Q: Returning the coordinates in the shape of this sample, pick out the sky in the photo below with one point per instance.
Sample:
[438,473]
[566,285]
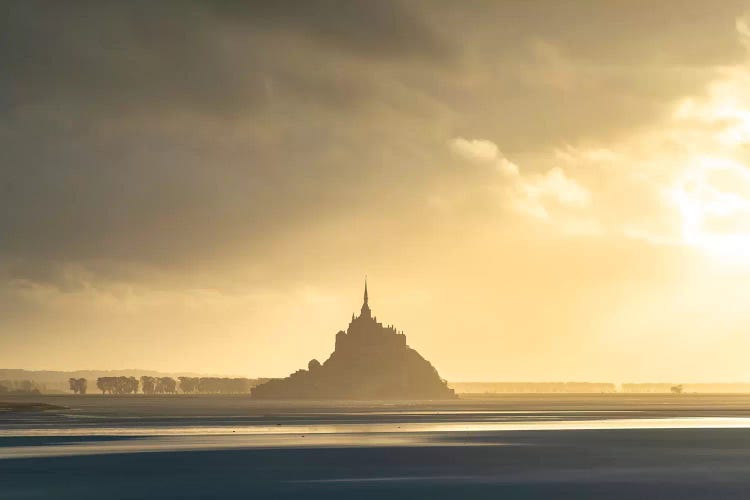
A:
[547,190]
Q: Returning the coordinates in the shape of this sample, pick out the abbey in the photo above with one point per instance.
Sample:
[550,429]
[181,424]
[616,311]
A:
[370,361]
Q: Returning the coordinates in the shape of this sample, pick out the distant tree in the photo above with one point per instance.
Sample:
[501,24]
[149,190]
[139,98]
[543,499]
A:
[206,385]
[148,384]
[117,385]
[676,389]
[216,385]
[131,385]
[104,384]
[189,385]
[78,385]
[166,385]
[20,387]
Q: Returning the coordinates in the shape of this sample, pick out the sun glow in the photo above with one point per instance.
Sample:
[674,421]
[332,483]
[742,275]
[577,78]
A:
[712,192]
[713,200]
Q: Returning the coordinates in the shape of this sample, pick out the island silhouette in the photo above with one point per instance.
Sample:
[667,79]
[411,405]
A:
[370,361]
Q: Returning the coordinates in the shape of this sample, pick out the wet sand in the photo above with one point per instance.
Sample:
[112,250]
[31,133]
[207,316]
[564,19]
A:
[511,447]
[19,406]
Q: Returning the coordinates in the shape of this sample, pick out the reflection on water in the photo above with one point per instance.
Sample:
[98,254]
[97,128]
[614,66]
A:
[403,427]
[189,438]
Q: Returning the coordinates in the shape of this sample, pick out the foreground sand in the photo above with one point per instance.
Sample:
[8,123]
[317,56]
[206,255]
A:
[514,447]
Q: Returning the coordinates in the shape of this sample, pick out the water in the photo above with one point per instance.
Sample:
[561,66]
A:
[514,446]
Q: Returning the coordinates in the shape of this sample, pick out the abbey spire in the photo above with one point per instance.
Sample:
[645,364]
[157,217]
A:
[365,307]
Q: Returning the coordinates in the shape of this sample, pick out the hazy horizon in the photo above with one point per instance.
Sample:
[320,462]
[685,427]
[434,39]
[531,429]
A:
[537,191]
[453,381]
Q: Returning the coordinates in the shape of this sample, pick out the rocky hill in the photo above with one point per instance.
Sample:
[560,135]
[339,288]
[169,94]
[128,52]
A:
[370,361]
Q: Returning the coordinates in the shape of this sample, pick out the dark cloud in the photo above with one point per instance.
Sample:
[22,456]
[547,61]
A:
[388,29]
[617,32]
[169,133]
[214,57]
[104,132]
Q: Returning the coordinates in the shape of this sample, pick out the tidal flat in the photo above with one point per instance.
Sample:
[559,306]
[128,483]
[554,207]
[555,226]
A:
[511,446]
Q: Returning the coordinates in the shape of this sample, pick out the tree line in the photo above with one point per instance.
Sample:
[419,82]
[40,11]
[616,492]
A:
[158,385]
[216,385]
[20,387]
[117,385]
[166,385]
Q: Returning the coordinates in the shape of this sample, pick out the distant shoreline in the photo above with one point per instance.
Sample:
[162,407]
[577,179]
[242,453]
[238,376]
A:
[30,402]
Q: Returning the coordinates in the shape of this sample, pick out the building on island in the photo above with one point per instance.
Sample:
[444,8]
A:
[370,361]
